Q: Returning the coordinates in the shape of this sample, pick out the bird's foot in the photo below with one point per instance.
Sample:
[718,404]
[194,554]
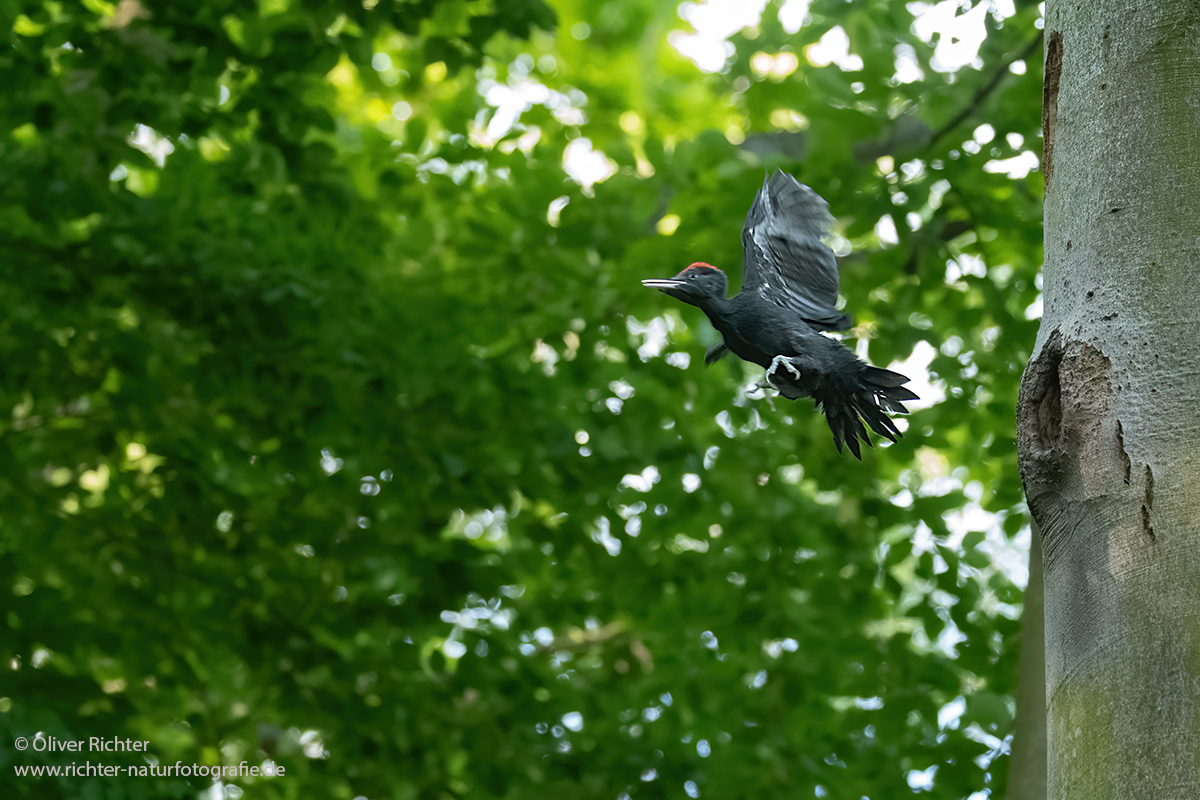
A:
[765,391]
[786,363]
[761,390]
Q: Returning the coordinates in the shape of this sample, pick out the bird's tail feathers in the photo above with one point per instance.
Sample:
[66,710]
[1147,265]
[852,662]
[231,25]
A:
[888,388]
[849,400]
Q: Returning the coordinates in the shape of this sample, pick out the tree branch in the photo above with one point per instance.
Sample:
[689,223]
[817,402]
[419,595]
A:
[984,91]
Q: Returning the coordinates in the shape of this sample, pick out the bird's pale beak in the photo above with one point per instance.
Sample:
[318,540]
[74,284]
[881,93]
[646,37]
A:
[662,283]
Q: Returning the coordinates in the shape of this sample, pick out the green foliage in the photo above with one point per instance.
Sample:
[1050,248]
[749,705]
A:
[329,444]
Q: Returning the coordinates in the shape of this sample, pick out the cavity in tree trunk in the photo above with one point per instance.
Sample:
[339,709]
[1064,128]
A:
[1109,415]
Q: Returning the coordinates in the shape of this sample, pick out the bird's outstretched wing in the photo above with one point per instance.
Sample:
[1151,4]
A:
[786,261]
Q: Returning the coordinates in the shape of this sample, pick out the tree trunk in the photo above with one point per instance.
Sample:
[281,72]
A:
[1108,425]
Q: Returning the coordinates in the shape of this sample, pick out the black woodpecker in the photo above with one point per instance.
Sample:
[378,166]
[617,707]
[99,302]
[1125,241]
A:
[788,297]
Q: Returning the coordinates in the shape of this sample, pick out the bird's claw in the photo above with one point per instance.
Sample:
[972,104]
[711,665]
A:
[766,388]
[787,363]
[761,387]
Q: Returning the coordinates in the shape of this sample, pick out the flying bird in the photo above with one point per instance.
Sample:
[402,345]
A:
[787,299]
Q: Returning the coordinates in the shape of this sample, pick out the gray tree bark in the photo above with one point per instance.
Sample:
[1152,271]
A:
[1109,414]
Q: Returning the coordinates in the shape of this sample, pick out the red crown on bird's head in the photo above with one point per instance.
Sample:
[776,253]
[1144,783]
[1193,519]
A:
[698,265]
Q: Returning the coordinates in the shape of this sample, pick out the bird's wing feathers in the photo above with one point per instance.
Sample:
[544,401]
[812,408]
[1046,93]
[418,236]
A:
[786,261]
[716,352]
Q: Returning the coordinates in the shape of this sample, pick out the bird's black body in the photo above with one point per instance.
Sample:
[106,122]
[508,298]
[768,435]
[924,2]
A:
[788,296]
